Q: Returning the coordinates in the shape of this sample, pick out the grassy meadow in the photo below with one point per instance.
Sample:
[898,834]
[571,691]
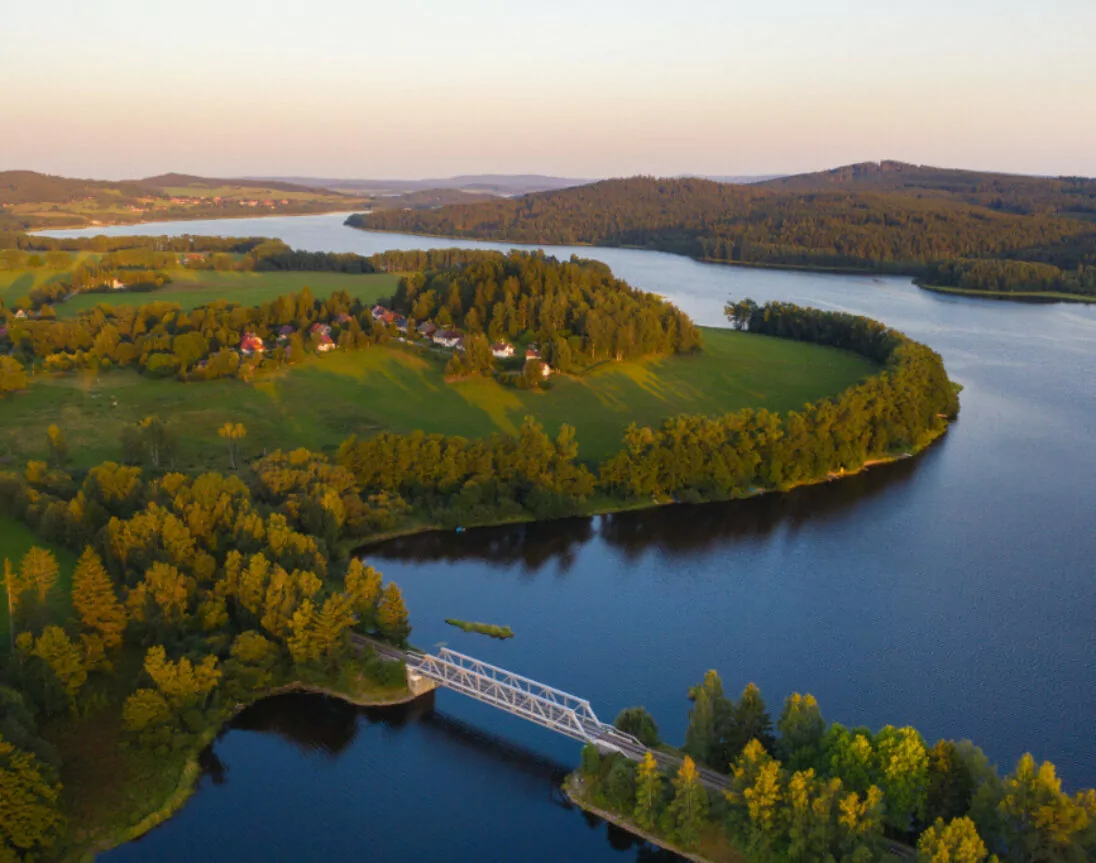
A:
[322,401]
[193,288]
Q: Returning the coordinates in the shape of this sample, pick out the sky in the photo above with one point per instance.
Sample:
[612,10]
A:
[578,88]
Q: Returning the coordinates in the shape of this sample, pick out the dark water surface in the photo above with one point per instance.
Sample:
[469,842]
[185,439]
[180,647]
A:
[954,592]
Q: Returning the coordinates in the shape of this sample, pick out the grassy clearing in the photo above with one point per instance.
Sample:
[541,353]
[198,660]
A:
[319,403]
[491,629]
[15,540]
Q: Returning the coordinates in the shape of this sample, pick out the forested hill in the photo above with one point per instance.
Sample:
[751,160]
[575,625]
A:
[27,187]
[854,223]
[1014,193]
[30,201]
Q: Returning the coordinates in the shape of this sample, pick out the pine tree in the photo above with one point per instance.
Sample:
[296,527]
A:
[94,599]
[690,804]
[38,570]
[331,624]
[301,641]
[64,658]
[14,587]
[648,792]
[363,586]
[392,617]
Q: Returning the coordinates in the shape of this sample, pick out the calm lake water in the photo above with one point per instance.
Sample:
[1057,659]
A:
[954,592]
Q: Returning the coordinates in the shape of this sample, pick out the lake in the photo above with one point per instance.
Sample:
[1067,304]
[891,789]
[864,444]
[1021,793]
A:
[954,592]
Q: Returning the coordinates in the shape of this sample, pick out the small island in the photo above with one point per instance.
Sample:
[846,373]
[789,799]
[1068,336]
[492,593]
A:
[490,629]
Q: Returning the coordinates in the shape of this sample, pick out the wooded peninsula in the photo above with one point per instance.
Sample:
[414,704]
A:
[991,234]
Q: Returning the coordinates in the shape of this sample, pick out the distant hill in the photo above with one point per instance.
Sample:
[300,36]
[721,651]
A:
[430,199]
[28,187]
[173,181]
[954,228]
[30,200]
[1011,192]
[491,184]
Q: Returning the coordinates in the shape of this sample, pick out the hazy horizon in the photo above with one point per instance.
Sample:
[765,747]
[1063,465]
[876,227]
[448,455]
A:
[121,90]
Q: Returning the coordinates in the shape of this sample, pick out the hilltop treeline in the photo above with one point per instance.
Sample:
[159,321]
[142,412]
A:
[576,310]
[828,227]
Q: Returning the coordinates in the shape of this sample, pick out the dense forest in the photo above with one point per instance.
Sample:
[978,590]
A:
[192,596]
[911,227]
[577,311]
[808,790]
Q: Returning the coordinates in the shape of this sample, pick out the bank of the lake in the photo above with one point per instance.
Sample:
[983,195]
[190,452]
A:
[714,846]
[186,764]
[877,273]
[1015,296]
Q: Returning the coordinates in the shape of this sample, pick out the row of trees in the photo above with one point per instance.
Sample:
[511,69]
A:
[884,230]
[696,457]
[810,791]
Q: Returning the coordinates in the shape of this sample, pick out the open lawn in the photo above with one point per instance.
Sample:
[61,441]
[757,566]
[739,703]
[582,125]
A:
[16,284]
[193,288]
[325,399]
[15,540]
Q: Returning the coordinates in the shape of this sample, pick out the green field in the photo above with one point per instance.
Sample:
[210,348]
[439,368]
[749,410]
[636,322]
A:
[193,288]
[15,540]
[325,399]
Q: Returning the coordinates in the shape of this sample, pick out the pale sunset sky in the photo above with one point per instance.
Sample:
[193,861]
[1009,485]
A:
[423,88]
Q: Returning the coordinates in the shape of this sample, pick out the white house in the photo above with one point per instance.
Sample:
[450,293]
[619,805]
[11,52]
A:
[502,350]
[448,338]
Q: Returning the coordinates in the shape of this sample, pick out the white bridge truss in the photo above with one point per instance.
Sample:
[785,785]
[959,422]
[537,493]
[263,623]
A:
[546,706]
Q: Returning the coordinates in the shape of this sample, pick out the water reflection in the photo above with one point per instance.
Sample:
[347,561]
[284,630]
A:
[316,725]
[681,530]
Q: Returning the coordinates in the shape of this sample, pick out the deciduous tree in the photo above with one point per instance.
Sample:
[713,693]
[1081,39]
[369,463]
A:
[690,804]
[393,621]
[648,792]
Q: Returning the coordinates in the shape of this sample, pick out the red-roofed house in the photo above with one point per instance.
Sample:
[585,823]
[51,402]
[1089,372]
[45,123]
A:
[251,344]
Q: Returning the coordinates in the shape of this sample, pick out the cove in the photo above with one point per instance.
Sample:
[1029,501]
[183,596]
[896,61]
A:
[954,592]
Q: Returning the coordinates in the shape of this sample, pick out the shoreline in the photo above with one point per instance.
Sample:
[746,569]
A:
[191,772]
[358,547]
[1030,297]
[571,792]
[86,227]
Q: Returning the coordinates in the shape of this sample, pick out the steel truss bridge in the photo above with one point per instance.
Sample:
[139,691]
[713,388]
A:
[529,699]
[544,705]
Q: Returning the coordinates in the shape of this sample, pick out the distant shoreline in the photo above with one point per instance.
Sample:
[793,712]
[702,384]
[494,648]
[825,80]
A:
[1030,297]
[86,227]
